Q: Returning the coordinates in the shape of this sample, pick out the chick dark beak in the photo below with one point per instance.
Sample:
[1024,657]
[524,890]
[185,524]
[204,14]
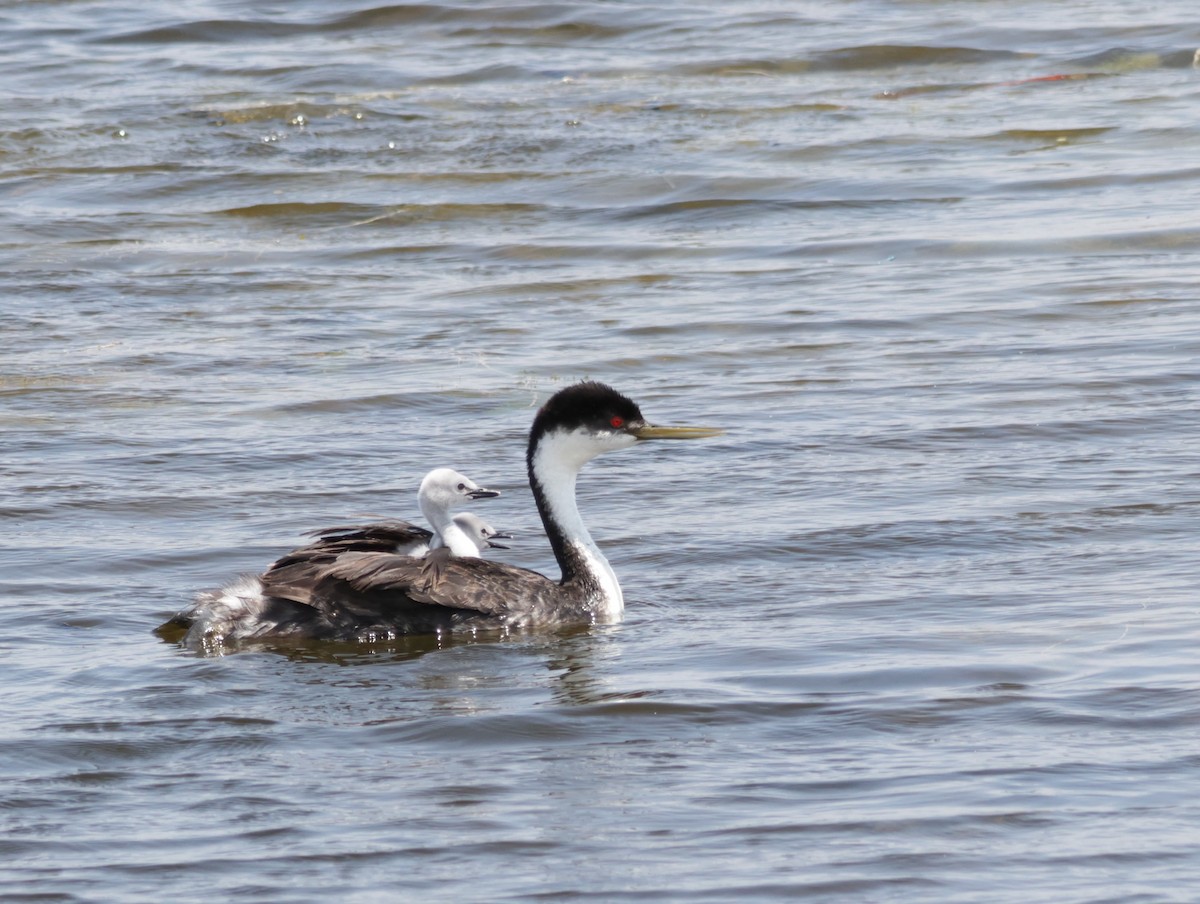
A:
[501,535]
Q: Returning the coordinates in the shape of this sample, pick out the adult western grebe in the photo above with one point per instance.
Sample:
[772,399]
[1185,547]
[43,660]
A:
[376,595]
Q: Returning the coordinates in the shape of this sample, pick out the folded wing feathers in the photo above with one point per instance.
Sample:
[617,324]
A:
[455,583]
[355,567]
[382,533]
[293,576]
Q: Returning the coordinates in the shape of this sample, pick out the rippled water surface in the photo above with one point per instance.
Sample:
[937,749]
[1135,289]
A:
[921,627]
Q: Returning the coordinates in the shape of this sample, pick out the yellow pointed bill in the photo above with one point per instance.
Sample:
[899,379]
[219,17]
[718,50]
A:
[650,432]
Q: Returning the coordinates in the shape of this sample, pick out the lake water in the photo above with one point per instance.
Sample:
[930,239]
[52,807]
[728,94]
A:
[923,626]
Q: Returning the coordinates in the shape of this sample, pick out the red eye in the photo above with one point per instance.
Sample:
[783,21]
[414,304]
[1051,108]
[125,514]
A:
[617,421]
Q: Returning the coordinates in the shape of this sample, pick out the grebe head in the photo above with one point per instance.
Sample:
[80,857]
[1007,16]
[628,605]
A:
[447,489]
[587,419]
[482,533]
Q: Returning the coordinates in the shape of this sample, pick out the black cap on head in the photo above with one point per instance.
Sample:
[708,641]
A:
[587,404]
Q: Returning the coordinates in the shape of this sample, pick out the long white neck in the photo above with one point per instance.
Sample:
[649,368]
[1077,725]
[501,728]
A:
[553,466]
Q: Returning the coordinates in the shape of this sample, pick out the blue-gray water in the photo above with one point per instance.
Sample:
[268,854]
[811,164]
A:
[923,626]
